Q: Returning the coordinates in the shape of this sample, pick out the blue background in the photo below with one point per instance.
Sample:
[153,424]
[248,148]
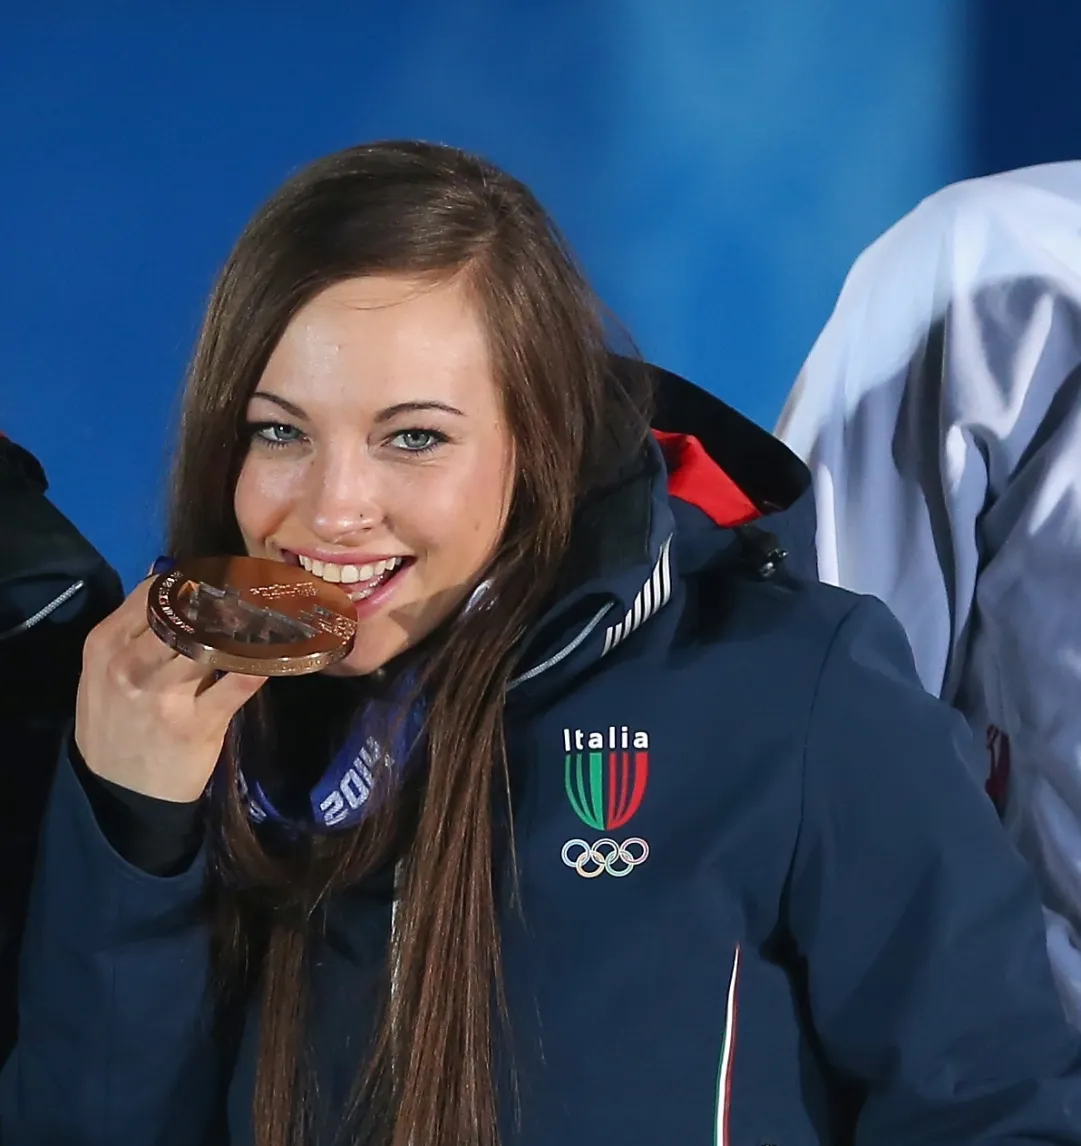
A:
[717,164]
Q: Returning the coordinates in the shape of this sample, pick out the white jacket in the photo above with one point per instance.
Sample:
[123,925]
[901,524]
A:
[940,413]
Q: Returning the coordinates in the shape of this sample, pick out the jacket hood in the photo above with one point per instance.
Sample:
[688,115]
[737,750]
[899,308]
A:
[731,469]
[711,489]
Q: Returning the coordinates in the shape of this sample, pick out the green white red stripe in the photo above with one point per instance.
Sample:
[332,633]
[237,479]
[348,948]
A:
[728,1054]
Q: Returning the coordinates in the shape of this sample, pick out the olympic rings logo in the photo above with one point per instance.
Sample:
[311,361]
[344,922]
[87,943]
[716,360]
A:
[592,860]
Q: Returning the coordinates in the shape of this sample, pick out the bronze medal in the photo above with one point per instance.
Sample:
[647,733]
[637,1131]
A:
[251,615]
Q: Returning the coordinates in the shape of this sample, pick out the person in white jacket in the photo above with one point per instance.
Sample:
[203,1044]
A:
[940,414]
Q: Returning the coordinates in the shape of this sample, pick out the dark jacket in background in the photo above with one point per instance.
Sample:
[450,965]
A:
[54,587]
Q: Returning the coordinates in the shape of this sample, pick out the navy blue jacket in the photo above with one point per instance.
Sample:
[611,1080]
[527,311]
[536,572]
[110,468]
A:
[763,900]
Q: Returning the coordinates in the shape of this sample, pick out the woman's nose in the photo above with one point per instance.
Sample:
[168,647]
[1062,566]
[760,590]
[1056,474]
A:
[344,498]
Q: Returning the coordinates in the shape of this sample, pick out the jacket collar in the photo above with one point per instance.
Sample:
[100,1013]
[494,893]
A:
[722,475]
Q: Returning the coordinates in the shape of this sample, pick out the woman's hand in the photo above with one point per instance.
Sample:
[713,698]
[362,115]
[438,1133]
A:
[146,717]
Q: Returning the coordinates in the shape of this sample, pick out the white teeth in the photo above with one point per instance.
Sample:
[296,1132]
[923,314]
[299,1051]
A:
[351,574]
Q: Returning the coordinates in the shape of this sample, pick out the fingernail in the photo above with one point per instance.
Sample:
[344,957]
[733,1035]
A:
[161,565]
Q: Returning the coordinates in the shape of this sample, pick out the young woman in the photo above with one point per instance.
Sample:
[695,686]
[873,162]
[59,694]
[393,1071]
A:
[609,830]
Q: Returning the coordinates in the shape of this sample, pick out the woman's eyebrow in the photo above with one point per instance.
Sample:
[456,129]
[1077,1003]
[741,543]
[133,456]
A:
[284,403]
[384,415]
[413,408]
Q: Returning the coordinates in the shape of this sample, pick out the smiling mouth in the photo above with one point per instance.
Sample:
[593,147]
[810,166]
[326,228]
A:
[359,581]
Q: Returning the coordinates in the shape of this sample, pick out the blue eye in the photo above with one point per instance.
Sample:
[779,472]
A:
[417,441]
[273,433]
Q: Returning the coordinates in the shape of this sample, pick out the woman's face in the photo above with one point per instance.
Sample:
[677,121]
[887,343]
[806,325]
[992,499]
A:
[380,456]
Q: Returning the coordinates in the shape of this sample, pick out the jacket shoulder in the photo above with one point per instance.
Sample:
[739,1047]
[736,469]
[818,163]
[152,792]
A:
[794,617]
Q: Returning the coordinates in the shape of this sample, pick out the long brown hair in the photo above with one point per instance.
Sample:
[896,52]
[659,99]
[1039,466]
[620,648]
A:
[405,207]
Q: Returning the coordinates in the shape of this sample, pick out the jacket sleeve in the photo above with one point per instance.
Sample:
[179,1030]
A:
[116,1037]
[1022,673]
[918,925]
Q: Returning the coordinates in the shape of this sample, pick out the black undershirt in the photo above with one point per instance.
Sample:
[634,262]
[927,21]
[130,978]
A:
[159,837]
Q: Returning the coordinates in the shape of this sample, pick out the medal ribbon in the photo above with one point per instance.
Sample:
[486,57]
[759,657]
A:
[381,742]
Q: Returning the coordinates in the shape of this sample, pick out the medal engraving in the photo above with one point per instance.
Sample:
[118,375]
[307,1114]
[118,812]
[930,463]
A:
[250,615]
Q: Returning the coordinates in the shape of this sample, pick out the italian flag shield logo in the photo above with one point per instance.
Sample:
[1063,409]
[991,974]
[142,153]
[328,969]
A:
[605,789]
